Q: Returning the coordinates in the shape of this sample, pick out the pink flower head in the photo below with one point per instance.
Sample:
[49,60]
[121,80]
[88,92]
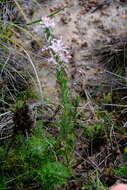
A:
[57,45]
[47,22]
[60,49]
[57,50]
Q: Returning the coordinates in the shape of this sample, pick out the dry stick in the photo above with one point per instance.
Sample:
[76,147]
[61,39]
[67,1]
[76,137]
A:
[120,178]
[36,74]
[90,103]
[116,105]
[101,5]
[115,74]
[6,62]
[5,113]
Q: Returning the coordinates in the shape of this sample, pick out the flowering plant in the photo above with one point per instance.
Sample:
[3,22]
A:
[60,55]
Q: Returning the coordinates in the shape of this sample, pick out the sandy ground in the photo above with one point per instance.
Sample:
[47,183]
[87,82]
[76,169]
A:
[83,31]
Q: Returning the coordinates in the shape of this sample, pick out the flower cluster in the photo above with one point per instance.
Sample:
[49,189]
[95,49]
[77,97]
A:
[58,51]
[47,22]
